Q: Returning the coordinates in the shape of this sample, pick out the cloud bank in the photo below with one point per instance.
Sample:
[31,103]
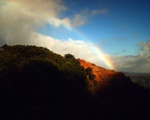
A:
[138,63]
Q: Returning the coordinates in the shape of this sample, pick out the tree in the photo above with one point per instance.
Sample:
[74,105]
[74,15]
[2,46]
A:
[69,56]
[91,76]
[88,71]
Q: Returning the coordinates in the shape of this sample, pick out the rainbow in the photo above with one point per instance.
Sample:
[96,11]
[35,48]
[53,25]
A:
[106,60]
[103,57]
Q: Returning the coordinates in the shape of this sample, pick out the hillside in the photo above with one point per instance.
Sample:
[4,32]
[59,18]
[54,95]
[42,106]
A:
[36,83]
[102,77]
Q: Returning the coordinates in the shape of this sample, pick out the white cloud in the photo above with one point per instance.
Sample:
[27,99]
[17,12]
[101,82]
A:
[82,18]
[79,20]
[19,17]
[138,63]
[144,46]
[99,11]
[46,7]
[58,22]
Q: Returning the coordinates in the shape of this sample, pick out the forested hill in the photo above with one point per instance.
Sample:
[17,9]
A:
[36,83]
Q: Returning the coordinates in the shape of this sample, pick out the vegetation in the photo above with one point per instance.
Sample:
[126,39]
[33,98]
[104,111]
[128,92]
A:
[36,83]
[89,73]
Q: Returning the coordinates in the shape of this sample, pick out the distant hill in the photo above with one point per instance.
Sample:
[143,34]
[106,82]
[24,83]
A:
[142,79]
[36,83]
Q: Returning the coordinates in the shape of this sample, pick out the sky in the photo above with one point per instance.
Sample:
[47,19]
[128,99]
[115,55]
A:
[114,34]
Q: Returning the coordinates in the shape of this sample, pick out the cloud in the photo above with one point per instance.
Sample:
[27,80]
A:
[79,20]
[99,11]
[144,46]
[36,13]
[56,22]
[82,18]
[47,7]
[138,63]
[20,18]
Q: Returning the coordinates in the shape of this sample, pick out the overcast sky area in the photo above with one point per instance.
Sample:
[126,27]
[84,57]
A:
[120,29]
